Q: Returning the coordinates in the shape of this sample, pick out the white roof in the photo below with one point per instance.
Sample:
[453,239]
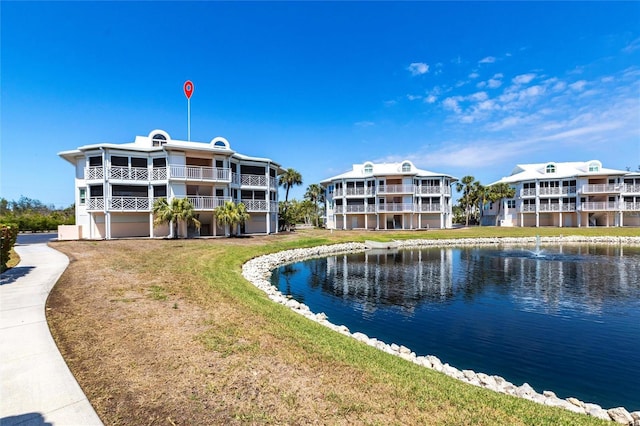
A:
[384,169]
[527,172]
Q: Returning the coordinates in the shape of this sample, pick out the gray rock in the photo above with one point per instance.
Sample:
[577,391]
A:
[620,415]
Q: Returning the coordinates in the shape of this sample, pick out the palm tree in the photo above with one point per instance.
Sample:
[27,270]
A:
[481,196]
[288,179]
[498,192]
[466,186]
[231,214]
[315,194]
[179,210]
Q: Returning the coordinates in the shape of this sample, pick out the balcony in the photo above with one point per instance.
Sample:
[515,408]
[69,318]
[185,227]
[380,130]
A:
[396,189]
[395,207]
[95,204]
[356,208]
[569,207]
[208,174]
[206,202]
[601,188]
[553,207]
[594,206]
[432,208]
[358,192]
[260,205]
[631,206]
[631,189]
[128,173]
[528,208]
[253,180]
[94,173]
[557,190]
[528,192]
[432,190]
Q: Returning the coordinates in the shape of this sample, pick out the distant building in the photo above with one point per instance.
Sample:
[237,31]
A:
[388,196]
[116,185]
[568,194]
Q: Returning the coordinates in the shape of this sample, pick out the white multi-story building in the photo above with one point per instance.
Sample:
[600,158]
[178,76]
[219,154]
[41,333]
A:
[116,185]
[388,196]
[568,194]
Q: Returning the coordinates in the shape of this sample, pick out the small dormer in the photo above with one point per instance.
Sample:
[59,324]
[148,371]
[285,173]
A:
[550,168]
[594,166]
[159,137]
[220,143]
[406,167]
[368,168]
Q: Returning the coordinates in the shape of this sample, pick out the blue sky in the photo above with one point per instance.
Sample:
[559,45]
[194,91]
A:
[464,88]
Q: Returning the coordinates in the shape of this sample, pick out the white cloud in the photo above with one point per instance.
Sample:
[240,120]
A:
[414,97]
[364,124]
[479,96]
[523,78]
[451,103]
[494,83]
[418,68]
[578,86]
[487,60]
[474,75]
[633,46]
[430,99]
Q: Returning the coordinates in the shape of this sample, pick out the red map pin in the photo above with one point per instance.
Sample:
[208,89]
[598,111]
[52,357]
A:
[188,89]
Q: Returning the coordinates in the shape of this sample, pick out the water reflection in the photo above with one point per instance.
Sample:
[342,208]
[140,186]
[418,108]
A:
[565,319]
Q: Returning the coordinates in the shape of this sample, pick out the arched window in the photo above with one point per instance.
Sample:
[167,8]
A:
[220,143]
[368,168]
[551,168]
[406,167]
[159,139]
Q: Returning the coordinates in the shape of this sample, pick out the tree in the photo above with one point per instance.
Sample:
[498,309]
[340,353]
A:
[315,194]
[466,186]
[481,196]
[179,210]
[498,192]
[288,179]
[231,214]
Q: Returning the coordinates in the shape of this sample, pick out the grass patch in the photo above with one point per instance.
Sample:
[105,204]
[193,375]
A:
[230,355]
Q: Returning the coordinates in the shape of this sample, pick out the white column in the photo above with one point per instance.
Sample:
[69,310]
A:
[150,225]
[267,217]
[107,225]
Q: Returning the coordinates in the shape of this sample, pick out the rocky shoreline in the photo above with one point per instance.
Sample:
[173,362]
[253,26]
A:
[258,272]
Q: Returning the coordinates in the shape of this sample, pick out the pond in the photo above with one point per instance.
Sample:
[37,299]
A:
[565,318]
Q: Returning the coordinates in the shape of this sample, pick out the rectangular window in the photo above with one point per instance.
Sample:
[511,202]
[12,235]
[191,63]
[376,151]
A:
[119,161]
[95,161]
[511,204]
[82,199]
[160,162]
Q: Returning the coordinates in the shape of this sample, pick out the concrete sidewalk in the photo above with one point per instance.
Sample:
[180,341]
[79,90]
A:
[36,386]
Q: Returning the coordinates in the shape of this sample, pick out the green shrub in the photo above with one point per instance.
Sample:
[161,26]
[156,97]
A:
[8,236]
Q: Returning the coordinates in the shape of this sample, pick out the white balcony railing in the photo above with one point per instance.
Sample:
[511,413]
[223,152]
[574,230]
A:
[631,206]
[432,189]
[359,191]
[553,190]
[599,206]
[356,208]
[604,188]
[128,173]
[260,205]
[206,202]
[631,189]
[159,173]
[95,203]
[253,180]
[94,173]
[553,207]
[130,203]
[396,207]
[528,192]
[396,189]
[212,174]
[568,207]
[429,208]
[528,208]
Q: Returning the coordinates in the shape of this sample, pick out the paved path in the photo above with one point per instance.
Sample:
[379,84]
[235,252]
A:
[36,386]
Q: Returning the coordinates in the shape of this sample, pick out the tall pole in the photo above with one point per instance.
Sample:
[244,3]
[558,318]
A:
[188,91]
